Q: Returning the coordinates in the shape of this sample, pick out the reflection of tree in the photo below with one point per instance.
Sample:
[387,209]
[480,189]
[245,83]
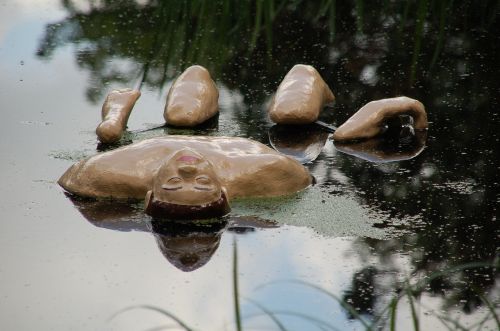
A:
[361,295]
[441,52]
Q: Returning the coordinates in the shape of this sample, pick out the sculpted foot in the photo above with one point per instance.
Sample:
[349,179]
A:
[370,120]
[192,99]
[300,97]
[115,113]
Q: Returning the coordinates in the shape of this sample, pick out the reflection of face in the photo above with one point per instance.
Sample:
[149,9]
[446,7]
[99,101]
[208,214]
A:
[189,252]
[187,178]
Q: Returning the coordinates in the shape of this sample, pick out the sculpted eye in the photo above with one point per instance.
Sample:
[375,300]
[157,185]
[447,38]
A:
[174,180]
[203,180]
[174,183]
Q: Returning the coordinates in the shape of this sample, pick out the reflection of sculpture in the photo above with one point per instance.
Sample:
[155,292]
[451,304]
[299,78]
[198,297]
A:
[385,149]
[192,99]
[304,143]
[187,249]
[300,96]
[187,246]
[182,174]
[115,113]
[369,121]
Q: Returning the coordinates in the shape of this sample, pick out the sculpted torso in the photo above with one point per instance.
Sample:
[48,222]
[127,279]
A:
[300,96]
[244,168]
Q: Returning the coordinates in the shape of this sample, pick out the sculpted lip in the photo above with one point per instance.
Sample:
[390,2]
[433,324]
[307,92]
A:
[188,159]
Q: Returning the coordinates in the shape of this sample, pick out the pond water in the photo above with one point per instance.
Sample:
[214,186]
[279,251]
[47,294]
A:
[423,227]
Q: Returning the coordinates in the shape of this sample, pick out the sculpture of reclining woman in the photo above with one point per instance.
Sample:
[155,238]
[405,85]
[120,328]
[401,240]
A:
[183,177]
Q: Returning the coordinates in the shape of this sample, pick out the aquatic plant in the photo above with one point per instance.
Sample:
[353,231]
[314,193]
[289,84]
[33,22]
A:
[247,40]
[385,318]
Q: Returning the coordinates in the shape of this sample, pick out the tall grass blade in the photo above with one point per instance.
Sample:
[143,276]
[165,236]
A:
[306,317]
[158,310]
[491,307]
[344,305]
[324,6]
[237,311]
[419,29]
[162,327]
[269,313]
[332,20]
[359,8]
[412,308]
[444,10]
[457,325]
[258,20]
[393,305]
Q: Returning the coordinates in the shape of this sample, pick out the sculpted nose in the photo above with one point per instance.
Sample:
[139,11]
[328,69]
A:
[187,170]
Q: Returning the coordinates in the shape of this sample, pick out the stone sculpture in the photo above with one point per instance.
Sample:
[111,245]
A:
[300,97]
[184,177]
[115,113]
[369,121]
[193,98]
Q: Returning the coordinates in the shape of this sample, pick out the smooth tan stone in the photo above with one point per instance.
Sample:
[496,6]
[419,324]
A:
[187,170]
[193,98]
[115,113]
[301,96]
[368,121]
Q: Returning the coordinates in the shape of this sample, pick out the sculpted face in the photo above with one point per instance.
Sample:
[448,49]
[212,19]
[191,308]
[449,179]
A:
[187,178]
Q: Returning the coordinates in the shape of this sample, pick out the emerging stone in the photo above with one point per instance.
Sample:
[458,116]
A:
[115,113]
[300,97]
[192,99]
[369,121]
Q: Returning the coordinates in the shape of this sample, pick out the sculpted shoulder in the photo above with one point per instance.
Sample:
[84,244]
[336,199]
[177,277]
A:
[246,167]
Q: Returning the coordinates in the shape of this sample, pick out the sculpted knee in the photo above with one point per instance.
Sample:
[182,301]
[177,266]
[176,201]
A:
[370,120]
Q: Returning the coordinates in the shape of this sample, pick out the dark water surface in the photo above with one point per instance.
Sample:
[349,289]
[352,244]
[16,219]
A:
[363,233]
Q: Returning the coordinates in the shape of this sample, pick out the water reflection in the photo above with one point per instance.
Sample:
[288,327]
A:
[186,245]
[443,53]
[302,142]
[386,149]
[187,248]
